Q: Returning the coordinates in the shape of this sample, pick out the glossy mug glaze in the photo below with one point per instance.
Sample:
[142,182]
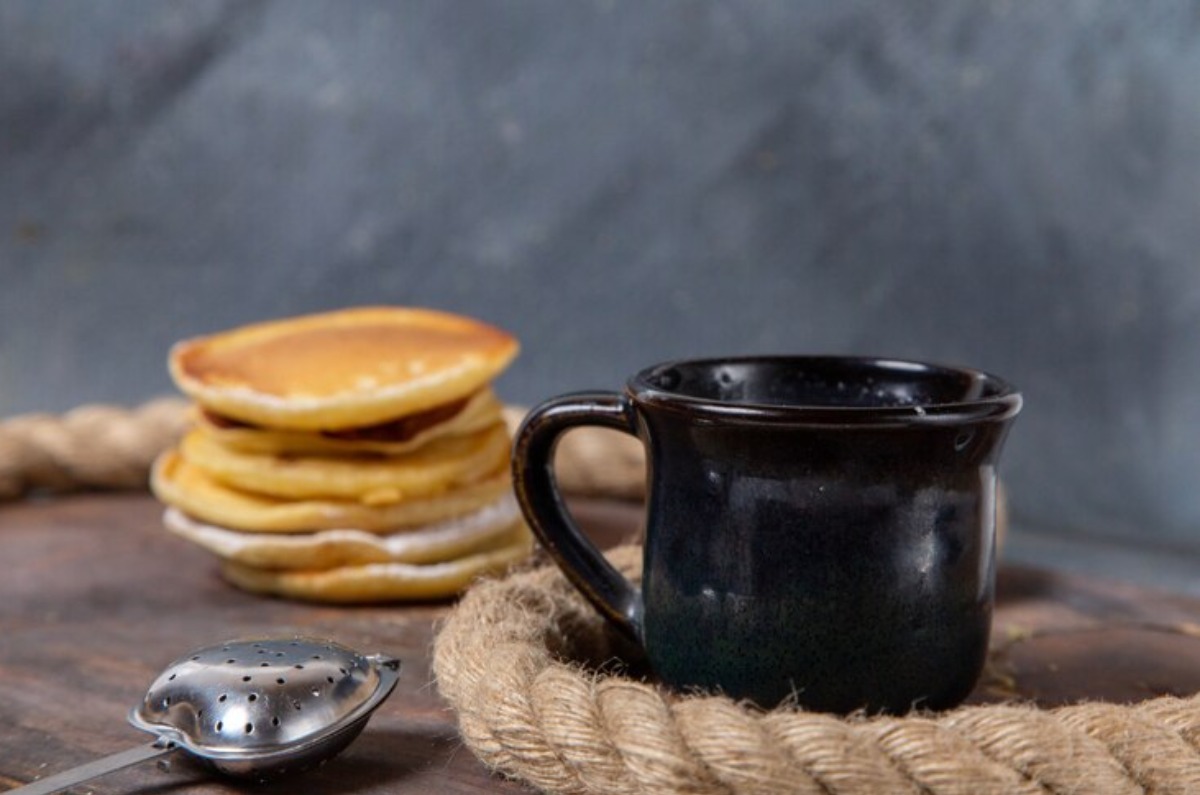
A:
[817,528]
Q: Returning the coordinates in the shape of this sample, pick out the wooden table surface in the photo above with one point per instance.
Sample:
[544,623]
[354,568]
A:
[95,599]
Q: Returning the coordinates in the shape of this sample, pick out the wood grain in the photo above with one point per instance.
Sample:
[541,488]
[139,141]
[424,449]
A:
[95,599]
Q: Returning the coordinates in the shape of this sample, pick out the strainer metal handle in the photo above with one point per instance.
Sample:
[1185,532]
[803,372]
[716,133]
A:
[97,768]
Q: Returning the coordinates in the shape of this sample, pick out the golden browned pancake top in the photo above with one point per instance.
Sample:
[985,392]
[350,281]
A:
[342,369]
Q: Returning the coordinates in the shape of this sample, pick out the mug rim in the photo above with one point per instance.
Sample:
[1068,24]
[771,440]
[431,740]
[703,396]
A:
[1004,403]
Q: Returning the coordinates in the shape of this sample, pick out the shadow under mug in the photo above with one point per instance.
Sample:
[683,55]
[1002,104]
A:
[818,528]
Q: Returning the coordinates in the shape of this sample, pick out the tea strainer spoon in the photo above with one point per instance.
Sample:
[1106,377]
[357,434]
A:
[258,708]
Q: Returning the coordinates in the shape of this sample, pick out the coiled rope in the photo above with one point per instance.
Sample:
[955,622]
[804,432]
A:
[522,662]
[527,664]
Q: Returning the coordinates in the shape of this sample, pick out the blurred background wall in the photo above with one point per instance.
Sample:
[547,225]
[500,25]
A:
[1005,184]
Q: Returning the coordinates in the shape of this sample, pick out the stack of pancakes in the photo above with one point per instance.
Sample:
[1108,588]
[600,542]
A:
[350,456]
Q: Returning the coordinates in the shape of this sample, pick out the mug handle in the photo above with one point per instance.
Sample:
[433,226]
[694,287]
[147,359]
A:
[537,492]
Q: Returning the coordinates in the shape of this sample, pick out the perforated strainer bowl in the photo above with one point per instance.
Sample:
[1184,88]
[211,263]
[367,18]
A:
[259,707]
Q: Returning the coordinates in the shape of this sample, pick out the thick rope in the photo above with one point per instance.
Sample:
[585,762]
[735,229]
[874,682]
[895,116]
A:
[106,447]
[518,660]
[91,447]
[529,667]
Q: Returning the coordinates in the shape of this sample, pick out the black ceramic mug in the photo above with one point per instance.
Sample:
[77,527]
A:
[820,528]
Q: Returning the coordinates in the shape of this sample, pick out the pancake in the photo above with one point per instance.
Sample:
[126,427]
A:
[181,485]
[381,582]
[495,525]
[474,414]
[343,369]
[434,468]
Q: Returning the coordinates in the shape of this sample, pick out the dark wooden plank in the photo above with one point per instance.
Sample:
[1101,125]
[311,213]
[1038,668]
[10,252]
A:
[95,599]
[1061,638]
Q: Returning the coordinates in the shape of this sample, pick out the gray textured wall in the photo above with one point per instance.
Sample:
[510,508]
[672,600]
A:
[1005,184]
